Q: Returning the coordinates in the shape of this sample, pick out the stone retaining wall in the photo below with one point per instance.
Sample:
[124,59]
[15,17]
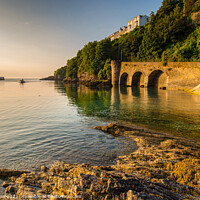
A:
[171,75]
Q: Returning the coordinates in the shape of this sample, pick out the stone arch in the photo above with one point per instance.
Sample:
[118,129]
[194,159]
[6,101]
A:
[158,79]
[138,79]
[123,79]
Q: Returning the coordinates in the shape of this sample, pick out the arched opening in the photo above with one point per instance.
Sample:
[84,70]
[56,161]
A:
[123,79]
[138,79]
[157,79]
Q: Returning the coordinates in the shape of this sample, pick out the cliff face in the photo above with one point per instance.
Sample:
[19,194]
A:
[85,76]
[195,17]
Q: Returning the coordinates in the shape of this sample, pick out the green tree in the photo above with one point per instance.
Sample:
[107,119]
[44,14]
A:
[105,73]
[87,57]
[60,73]
[167,27]
[190,6]
[103,52]
[72,68]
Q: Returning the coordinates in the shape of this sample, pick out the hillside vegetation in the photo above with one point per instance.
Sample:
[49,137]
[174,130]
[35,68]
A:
[168,36]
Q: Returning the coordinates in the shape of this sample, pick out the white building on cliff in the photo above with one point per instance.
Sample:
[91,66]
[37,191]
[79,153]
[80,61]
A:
[140,20]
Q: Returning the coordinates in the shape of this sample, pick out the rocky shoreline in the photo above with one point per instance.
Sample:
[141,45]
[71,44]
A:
[49,78]
[163,167]
[90,83]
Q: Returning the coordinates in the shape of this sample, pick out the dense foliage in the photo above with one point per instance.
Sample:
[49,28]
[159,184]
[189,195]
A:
[168,36]
[71,69]
[60,73]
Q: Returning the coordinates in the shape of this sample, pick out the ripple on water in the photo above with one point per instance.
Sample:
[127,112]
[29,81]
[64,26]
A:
[43,122]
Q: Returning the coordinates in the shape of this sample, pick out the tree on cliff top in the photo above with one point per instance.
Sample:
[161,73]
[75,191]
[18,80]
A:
[86,57]
[103,52]
[60,73]
[71,68]
[167,27]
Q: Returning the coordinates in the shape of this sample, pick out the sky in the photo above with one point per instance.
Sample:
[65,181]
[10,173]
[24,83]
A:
[39,36]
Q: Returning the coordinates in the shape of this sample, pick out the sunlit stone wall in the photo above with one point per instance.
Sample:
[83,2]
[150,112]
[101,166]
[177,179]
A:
[171,75]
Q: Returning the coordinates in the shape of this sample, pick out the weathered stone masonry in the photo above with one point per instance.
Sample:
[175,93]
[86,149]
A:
[171,75]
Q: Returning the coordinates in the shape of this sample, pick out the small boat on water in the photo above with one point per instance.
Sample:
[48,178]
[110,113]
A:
[2,78]
[22,81]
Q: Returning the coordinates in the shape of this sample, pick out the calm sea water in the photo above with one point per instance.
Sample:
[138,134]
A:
[39,125]
[42,121]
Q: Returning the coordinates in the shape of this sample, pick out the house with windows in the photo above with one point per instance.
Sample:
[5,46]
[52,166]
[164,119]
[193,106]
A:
[140,20]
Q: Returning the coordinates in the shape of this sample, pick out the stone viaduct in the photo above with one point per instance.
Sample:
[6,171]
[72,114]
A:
[171,75]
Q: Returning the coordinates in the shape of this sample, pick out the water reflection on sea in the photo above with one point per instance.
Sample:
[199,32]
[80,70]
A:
[172,111]
[39,125]
[43,121]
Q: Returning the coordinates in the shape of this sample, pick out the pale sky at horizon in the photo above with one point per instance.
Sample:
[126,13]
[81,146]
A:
[38,36]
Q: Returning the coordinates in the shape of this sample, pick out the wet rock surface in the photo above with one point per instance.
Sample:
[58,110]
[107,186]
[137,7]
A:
[96,83]
[163,167]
